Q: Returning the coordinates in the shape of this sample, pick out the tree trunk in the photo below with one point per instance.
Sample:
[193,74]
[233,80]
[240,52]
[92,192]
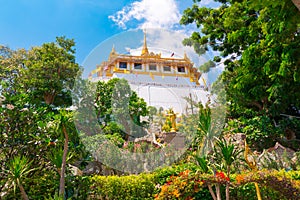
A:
[63,165]
[218,191]
[297,3]
[49,98]
[23,193]
[211,192]
[227,183]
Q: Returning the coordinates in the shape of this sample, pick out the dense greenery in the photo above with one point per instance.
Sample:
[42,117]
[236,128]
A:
[126,187]
[259,44]
[42,155]
[117,103]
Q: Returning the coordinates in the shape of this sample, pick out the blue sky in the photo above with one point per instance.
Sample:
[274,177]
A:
[27,23]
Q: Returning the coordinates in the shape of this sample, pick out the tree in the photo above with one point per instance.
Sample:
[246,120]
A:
[19,168]
[259,43]
[116,102]
[11,65]
[227,154]
[27,119]
[63,126]
[51,69]
[43,72]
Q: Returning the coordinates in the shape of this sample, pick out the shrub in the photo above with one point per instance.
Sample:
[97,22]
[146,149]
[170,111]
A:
[162,174]
[273,185]
[260,130]
[122,187]
[183,186]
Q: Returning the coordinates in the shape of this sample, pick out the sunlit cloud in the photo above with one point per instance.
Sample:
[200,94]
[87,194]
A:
[209,3]
[149,14]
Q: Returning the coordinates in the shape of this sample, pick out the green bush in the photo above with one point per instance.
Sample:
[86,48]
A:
[260,130]
[274,185]
[122,187]
[248,192]
[77,187]
[162,174]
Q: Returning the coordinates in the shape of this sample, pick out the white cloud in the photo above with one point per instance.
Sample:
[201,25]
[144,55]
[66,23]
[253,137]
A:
[205,2]
[149,13]
[209,3]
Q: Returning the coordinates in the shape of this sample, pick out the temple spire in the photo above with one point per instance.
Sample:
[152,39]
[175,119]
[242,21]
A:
[112,53]
[113,49]
[145,49]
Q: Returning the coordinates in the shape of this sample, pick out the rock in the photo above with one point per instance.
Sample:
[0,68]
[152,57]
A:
[93,167]
[276,157]
[75,170]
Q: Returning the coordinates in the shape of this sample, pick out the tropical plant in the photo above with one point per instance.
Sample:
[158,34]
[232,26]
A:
[18,169]
[228,154]
[64,125]
[204,166]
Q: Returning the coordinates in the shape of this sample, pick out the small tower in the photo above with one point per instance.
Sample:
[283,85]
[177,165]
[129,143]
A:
[145,49]
[112,54]
[113,51]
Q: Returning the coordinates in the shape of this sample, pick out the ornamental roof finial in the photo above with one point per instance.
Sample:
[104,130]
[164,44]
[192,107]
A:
[145,49]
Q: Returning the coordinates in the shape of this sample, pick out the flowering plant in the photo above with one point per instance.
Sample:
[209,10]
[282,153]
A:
[182,186]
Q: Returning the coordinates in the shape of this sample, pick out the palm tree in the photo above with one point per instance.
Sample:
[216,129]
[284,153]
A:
[64,123]
[18,169]
[203,164]
[206,131]
[228,154]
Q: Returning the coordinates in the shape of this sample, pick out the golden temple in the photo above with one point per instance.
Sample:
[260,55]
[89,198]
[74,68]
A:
[160,81]
[150,64]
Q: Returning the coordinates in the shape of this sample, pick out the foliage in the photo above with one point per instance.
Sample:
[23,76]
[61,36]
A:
[18,168]
[248,192]
[274,184]
[77,187]
[205,129]
[259,130]
[43,72]
[41,185]
[162,174]
[207,66]
[28,126]
[52,70]
[226,153]
[23,132]
[180,187]
[115,102]
[292,125]
[259,44]
[277,180]
[122,187]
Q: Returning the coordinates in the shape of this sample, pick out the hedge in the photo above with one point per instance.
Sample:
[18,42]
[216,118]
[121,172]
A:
[123,187]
